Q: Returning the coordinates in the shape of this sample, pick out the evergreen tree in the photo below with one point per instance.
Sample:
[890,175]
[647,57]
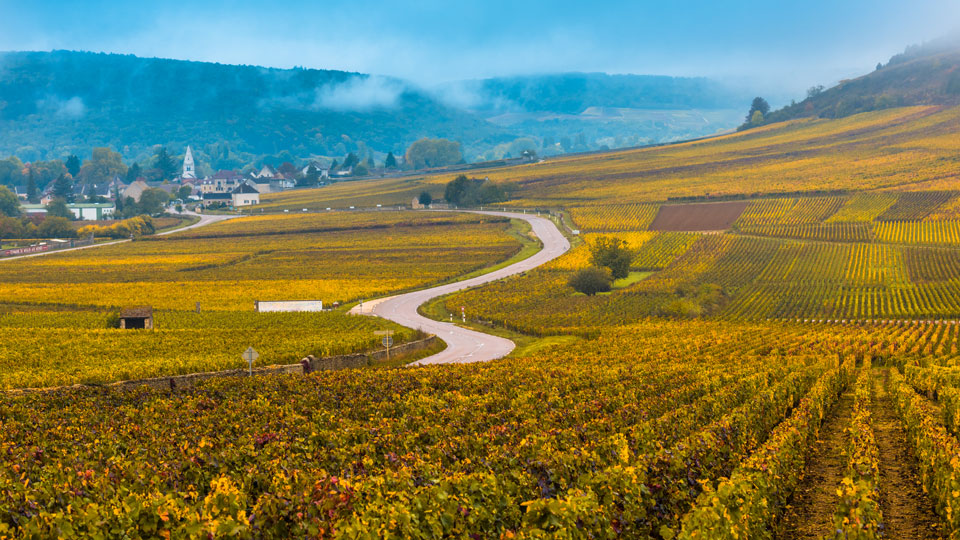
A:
[165,164]
[391,162]
[32,188]
[63,188]
[73,165]
[133,173]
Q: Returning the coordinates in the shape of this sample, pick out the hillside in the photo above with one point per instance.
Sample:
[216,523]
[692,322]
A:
[57,103]
[922,75]
[67,102]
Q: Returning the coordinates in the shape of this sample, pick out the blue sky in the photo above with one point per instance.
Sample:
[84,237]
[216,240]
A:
[782,45]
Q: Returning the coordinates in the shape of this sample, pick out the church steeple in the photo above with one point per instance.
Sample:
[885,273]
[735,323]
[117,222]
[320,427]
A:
[188,170]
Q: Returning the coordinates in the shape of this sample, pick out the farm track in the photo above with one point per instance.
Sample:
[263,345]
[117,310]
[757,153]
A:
[908,512]
[810,514]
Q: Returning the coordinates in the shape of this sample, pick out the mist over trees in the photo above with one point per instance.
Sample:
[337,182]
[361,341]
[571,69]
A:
[427,153]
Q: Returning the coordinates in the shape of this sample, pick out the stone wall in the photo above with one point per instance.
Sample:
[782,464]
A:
[307,365]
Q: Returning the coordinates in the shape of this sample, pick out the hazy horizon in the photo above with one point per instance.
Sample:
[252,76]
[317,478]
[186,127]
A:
[775,48]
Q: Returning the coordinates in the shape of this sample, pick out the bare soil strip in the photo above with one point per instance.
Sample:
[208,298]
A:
[715,216]
[810,514]
[907,511]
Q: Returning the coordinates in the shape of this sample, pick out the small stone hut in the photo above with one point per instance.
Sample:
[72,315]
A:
[137,317]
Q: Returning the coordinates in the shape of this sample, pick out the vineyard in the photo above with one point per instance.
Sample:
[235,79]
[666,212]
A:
[783,360]
[58,319]
[655,429]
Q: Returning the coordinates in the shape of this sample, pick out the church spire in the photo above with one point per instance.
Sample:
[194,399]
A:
[188,169]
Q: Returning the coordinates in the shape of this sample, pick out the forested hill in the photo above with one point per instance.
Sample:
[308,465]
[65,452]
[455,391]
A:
[53,104]
[922,75]
[66,102]
[572,93]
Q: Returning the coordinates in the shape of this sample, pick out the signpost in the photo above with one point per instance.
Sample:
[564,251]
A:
[250,355]
[387,340]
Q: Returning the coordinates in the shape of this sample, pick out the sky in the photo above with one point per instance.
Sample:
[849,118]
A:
[777,45]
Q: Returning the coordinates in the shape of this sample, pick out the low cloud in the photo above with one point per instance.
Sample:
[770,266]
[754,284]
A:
[360,94]
[65,108]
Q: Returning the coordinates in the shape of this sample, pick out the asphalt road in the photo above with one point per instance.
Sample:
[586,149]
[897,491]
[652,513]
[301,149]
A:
[464,345]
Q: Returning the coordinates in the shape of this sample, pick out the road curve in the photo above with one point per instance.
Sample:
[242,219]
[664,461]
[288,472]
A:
[464,345]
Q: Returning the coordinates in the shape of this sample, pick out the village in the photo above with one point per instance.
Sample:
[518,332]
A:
[222,190]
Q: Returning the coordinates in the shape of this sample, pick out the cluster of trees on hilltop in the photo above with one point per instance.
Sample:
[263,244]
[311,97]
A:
[921,75]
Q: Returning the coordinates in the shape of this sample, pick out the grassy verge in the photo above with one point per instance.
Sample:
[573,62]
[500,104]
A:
[404,359]
[184,222]
[526,345]
[519,230]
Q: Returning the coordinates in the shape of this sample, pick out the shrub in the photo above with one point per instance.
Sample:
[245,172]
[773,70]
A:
[591,280]
[612,253]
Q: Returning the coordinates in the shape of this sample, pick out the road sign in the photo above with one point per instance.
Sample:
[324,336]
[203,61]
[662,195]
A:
[251,355]
[387,341]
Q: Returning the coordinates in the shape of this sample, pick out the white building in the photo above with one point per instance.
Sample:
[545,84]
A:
[81,211]
[189,171]
[245,195]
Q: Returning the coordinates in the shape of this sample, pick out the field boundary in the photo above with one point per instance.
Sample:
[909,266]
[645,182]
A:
[308,364]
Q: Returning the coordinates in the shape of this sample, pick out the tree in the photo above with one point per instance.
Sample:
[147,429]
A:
[288,169]
[457,189]
[311,178]
[390,162]
[63,187]
[425,198]
[56,227]
[590,280]
[813,91]
[152,201]
[184,192]
[166,164]
[612,253]
[102,167]
[759,104]
[133,173]
[350,161]
[756,119]
[11,171]
[73,165]
[32,195]
[9,203]
[463,191]
[433,153]
[360,170]
[58,208]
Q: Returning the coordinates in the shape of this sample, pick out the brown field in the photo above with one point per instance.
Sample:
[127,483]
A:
[698,217]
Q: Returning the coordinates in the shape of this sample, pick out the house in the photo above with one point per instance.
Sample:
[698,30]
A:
[221,182]
[140,317]
[81,211]
[282,183]
[212,198]
[135,190]
[324,170]
[245,195]
[266,172]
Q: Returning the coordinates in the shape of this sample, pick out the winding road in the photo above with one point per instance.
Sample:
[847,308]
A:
[465,345]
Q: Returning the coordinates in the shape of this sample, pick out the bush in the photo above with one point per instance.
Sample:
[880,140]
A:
[136,226]
[591,280]
[614,254]
[56,227]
